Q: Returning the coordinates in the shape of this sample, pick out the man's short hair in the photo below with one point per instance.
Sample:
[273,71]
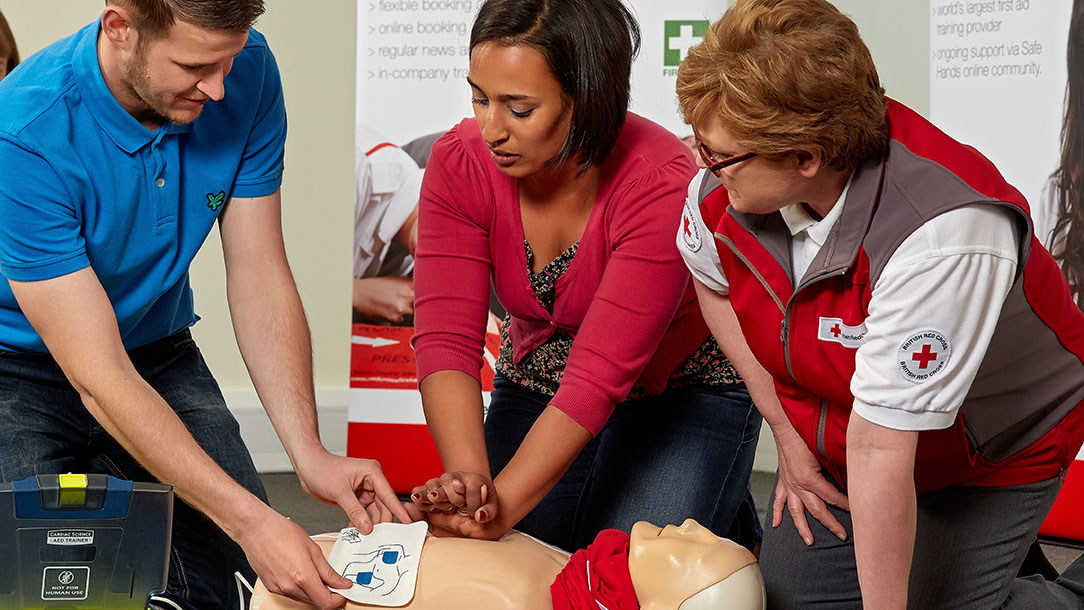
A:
[153,18]
[8,48]
[787,75]
[589,46]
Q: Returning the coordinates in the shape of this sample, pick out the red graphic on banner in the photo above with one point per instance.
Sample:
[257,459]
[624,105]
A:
[406,452]
[381,359]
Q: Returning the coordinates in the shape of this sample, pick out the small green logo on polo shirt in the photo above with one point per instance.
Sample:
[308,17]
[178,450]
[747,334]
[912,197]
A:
[678,38]
[215,201]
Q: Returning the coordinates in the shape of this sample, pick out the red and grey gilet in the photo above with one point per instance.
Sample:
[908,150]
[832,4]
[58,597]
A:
[1020,422]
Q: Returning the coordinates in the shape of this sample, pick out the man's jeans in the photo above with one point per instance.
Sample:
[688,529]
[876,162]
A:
[45,429]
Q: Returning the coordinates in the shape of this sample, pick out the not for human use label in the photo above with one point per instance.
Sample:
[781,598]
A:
[67,582]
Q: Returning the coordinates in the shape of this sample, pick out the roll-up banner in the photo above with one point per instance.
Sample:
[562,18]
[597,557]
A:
[411,86]
[997,82]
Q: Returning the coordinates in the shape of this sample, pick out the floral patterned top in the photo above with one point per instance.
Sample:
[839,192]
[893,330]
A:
[541,370]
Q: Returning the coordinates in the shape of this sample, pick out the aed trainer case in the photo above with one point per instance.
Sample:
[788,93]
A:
[87,542]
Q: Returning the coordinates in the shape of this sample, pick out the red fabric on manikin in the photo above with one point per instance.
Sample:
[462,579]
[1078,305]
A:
[597,576]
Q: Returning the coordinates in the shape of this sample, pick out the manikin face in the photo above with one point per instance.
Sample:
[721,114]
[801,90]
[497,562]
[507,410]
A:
[668,565]
[757,185]
[172,77]
[522,113]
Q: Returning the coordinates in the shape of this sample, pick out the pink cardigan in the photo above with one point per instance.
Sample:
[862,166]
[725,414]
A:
[626,298]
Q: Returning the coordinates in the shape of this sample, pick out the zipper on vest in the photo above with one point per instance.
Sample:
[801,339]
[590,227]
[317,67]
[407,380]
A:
[760,278]
[786,317]
[783,309]
[822,423]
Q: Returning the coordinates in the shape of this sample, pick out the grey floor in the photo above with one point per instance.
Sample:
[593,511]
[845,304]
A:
[288,498]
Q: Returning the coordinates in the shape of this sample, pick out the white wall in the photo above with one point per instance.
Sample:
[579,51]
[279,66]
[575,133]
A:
[314,42]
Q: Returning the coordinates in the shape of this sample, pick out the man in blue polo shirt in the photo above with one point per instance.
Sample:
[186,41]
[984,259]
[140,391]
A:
[120,147]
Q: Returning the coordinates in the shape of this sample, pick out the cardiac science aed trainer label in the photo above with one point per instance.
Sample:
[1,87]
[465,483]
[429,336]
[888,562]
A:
[70,537]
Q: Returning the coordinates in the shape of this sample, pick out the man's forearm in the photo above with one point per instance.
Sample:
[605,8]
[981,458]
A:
[145,426]
[273,336]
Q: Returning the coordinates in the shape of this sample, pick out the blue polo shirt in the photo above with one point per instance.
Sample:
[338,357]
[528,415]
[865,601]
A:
[83,183]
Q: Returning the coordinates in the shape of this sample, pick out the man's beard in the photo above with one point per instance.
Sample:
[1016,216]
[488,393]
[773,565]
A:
[137,80]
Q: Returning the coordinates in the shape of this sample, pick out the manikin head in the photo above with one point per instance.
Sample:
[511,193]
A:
[689,568]
[163,59]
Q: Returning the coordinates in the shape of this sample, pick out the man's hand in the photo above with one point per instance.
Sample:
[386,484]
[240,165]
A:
[387,298]
[468,492]
[289,563]
[801,487]
[356,485]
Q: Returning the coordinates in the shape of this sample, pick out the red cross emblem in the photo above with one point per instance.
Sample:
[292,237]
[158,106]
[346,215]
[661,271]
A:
[924,357]
[836,330]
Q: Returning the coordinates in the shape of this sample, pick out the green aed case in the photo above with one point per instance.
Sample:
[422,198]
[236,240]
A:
[86,542]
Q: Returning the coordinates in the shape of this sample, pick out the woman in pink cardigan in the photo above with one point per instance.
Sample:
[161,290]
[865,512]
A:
[612,403]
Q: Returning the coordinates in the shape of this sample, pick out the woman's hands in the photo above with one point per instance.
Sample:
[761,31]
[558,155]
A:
[469,493]
[460,504]
[801,487]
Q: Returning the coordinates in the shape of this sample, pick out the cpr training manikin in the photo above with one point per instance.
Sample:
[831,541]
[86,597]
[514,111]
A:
[682,567]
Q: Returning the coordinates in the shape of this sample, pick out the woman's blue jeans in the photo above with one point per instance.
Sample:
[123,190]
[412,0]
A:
[44,428]
[685,453]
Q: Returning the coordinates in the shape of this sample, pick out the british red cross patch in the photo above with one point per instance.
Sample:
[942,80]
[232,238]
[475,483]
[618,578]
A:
[923,355]
[833,330]
[690,229]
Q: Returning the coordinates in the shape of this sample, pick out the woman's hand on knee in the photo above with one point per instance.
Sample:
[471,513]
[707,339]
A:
[801,487]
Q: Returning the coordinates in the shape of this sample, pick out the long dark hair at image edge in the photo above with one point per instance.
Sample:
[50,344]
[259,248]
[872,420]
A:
[1068,179]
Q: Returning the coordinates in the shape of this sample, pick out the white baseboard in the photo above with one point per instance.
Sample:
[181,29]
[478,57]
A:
[259,435]
[767,460]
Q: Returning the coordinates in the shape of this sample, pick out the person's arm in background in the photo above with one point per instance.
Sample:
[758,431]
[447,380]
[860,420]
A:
[387,184]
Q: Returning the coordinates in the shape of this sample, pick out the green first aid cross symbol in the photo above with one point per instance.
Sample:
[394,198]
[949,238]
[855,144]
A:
[678,37]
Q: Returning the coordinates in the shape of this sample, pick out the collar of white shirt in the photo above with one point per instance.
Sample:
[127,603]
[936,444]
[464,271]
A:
[798,220]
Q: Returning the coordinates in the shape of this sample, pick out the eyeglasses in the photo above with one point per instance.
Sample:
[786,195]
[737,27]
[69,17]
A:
[717,166]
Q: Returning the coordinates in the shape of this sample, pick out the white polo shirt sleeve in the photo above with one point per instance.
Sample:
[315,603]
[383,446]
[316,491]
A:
[932,314]
[697,243]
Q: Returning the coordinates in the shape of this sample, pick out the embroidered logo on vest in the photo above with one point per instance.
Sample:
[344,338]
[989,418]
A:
[690,229]
[834,330]
[215,201]
[923,355]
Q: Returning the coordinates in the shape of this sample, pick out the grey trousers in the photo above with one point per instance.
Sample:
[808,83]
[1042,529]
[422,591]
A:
[969,545]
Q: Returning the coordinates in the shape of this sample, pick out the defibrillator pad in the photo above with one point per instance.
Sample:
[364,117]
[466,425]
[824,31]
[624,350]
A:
[383,565]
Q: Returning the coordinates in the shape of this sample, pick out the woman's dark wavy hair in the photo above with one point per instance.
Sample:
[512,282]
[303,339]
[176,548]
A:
[589,46]
[1069,177]
[8,48]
